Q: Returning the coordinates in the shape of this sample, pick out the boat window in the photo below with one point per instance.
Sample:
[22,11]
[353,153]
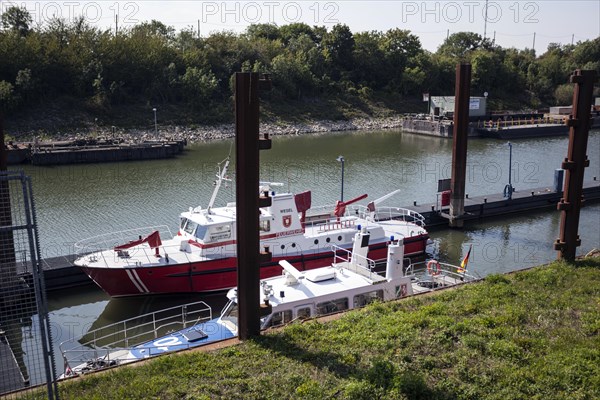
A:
[230,310]
[265,226]
[303,313]
[361,300]
[201,231]
[190,226]
[182,223]
[328,307]
[279,318]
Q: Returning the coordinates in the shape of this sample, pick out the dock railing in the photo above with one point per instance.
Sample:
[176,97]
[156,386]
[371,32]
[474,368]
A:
[100,347]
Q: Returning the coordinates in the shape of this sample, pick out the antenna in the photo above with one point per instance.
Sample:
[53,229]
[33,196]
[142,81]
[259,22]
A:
[221,176]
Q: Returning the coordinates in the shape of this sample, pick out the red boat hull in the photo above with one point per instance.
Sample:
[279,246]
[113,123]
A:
[217,274]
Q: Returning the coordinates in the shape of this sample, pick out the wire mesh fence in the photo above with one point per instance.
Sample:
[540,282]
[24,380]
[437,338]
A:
[26,357]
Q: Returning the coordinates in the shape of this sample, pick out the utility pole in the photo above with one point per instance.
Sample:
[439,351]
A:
[533,47]
[116,24]
[574,165]
[247,146]
[485,21]
[198,29]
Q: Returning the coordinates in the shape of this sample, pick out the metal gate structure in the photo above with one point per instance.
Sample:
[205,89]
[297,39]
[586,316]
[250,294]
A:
[26,355]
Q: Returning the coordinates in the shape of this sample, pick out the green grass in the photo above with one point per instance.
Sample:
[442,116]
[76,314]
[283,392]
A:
[529,335]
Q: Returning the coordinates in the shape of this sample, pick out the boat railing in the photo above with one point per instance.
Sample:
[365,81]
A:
[358,263]
[386,214]
[443,273]
[101,343]
[110,240]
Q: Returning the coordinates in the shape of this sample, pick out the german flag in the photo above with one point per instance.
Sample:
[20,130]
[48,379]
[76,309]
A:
[464,262]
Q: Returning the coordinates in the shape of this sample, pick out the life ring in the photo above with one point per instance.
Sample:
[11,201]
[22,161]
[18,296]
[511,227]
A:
[433,267]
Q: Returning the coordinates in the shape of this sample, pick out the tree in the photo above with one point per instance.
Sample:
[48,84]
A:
[400,49]
[155,28]
[586,55]
[369,69]
[7,99]
[486,70]
[295,30]
[198,86]
[17,19]
[460,45]
[265,31]
[292,75]
[563,94]
[337,49]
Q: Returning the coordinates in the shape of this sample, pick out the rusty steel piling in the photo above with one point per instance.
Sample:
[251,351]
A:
[575,164]
[459,144]
[248,144]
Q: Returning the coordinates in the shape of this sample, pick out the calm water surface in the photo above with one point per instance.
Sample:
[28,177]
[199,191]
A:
[75,202]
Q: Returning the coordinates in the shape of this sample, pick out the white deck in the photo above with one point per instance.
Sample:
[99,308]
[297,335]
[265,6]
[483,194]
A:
[178,251]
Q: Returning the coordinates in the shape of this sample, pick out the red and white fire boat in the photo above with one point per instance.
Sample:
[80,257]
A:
[202,256]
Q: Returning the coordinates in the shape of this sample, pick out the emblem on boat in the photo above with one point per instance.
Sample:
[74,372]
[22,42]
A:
[287,221]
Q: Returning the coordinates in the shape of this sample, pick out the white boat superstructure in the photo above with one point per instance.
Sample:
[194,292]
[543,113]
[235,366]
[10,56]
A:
[349,282]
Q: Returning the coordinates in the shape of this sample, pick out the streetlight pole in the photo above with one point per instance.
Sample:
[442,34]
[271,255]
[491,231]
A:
[155,124]
[341,160]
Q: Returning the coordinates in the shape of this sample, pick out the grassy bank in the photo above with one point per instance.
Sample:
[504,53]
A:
[533,334]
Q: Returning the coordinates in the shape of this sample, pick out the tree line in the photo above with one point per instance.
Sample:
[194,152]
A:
[152,63]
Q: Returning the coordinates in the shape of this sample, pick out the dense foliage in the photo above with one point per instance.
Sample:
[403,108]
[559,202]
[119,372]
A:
[530,335]
[152,64]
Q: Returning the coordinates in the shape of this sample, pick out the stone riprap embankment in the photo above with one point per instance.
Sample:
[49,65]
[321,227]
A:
[217,132]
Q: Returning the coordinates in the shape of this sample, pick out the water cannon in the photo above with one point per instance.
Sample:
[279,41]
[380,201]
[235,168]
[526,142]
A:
[340,206]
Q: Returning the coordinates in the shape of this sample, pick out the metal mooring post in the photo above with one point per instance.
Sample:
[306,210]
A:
[247,145]
[459,147]
[574,165]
